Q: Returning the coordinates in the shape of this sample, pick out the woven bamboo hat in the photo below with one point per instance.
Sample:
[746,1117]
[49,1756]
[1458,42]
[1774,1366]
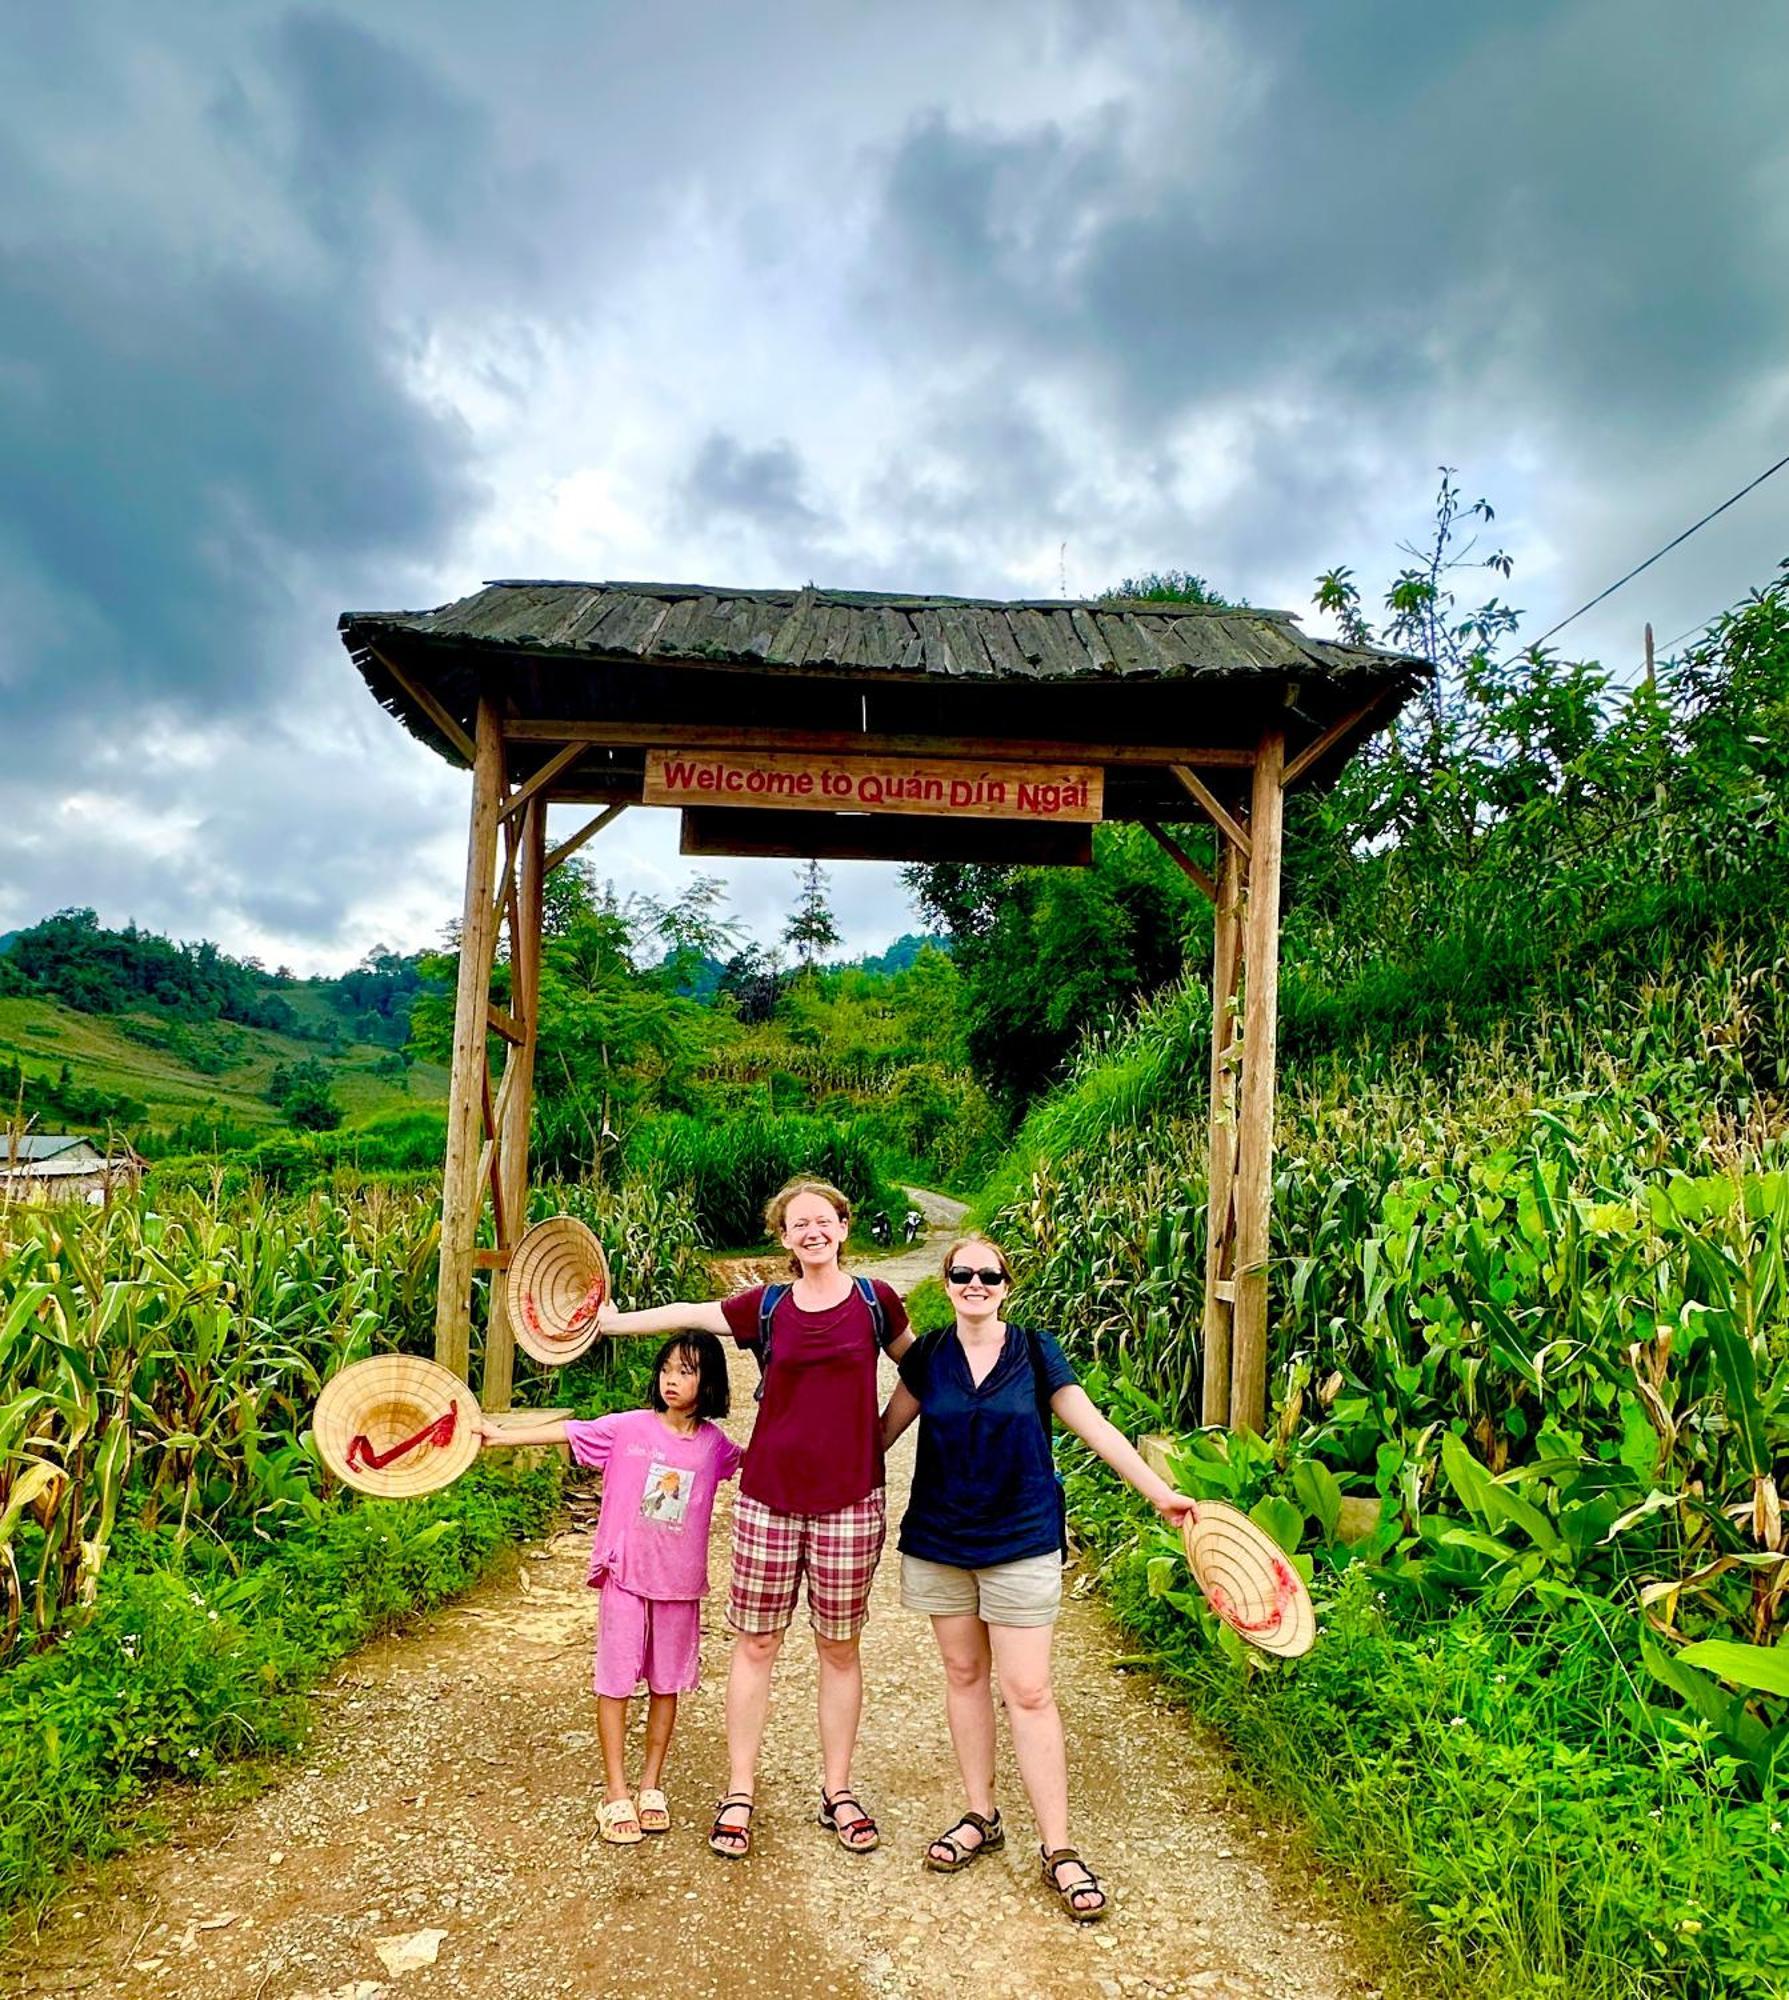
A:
[1248,1579]
[558,1280]
[396,1426]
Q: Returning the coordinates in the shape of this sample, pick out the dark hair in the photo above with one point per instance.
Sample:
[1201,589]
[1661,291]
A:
[708,1358]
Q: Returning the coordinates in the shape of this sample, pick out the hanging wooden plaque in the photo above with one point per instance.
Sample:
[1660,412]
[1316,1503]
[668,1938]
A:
[1043,794]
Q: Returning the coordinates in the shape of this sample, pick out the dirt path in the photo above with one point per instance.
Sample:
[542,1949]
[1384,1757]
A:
[448,1805]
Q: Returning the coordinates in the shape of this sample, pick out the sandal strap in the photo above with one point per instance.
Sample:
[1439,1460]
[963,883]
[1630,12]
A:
[1055,1858]
[985,1827]
[841,1824]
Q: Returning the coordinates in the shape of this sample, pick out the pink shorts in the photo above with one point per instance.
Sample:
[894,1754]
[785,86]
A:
[657,1640]
[837,1553]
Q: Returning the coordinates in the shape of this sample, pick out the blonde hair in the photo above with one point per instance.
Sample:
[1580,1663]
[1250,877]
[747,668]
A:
[776,1209]
[987,1242]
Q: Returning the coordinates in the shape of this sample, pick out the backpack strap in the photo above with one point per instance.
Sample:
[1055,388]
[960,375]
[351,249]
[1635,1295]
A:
[773,1297]
[866,1290]
[775,1294]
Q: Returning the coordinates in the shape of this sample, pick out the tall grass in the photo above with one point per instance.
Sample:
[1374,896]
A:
[159,1358]
[729,1170]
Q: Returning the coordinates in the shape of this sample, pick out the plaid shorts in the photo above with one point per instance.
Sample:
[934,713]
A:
[837,1553]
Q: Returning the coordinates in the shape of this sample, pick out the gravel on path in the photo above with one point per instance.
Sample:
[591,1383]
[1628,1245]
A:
[444,1821]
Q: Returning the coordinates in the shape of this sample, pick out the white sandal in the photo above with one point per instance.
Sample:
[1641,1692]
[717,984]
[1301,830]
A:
[616,1814]
[655,1811]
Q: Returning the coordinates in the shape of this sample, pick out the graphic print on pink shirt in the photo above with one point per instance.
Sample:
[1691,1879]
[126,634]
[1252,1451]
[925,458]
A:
[658,1499]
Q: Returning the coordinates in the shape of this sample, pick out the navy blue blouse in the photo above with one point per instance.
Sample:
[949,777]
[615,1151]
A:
[984,1483]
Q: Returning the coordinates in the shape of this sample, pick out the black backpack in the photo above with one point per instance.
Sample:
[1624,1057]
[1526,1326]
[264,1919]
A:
[775,1294]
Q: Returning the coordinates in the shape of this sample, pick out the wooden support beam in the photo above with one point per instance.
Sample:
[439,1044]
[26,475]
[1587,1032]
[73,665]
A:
[505,1024]
[1182,860]
[845,742]
[1220,1180]
[490,1160]
[461,1192]
[567,848]
[430,707]
[559,761]
[882,837]
[1219,814]
[506,880]
[515,1095]
[1333,735]
[490,1260]
[1254,1134]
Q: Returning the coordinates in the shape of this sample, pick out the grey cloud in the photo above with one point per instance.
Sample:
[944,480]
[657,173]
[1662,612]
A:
[171,440]
[1401,211]
[731,482]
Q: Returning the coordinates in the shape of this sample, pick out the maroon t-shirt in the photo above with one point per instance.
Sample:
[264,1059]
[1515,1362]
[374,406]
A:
[817,1444]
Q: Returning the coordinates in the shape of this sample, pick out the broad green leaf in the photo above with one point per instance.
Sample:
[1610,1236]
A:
[1764,1669]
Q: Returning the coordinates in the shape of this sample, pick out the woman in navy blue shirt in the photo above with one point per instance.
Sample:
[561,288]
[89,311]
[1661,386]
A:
[982,1546]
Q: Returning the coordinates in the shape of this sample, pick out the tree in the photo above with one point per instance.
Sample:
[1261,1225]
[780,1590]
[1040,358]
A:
[694,931]
[1045,954]
[752,979]
[1166,586]
[810,928]
[304,1097]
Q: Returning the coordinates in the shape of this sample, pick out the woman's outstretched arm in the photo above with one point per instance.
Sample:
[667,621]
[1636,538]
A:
[677,1318]
[1078,1413]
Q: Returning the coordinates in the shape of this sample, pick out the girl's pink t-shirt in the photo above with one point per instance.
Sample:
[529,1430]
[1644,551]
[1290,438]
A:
[658,1497]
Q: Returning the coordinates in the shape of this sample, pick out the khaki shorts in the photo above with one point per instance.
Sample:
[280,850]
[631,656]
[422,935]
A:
[1026,1592]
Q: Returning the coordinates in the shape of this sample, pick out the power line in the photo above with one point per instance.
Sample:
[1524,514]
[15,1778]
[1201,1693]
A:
[1675,542]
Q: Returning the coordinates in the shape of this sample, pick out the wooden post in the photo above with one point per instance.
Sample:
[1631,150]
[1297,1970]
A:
[1254,1135]
[1220,1210]
[515,1098]
[462,1191]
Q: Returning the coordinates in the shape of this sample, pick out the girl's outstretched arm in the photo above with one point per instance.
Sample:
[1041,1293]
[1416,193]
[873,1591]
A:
[902,1408]
[679,1318]
[550,1430]
[1078,1413]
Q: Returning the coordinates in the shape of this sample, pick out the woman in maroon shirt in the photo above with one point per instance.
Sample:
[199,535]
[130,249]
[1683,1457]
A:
[810,1493]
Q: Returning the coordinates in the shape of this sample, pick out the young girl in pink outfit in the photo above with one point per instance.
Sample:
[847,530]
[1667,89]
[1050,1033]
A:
[661,1469]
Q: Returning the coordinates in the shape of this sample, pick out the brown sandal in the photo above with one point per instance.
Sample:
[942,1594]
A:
[993,1838]
[1080,1913]
[738,1838]
[844,1827]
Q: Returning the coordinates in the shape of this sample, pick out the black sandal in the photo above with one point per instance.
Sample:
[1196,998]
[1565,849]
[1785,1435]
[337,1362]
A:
[740,1836]
[993,1838]
[1080,1913]
[845,1828]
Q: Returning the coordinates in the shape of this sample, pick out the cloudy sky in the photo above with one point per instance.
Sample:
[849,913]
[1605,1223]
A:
[314,308]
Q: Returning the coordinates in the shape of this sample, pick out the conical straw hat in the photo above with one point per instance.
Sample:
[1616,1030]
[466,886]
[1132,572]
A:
[1248,1579]
[558,1281]
[396,1426]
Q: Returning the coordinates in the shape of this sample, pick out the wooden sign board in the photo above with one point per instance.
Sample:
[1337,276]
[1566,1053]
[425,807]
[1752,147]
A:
[793,781]
[804,836]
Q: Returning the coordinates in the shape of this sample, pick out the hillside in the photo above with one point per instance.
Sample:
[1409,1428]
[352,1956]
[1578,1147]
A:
[179,1071]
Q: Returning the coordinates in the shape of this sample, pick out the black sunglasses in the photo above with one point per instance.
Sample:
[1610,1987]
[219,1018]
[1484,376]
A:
[958,1274]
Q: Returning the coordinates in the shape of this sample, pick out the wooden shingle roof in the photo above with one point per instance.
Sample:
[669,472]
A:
[832,631]
[1141,688]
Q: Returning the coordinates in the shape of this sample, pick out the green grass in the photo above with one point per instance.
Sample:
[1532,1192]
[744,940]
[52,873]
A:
[103,1055]
[1491,1783]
